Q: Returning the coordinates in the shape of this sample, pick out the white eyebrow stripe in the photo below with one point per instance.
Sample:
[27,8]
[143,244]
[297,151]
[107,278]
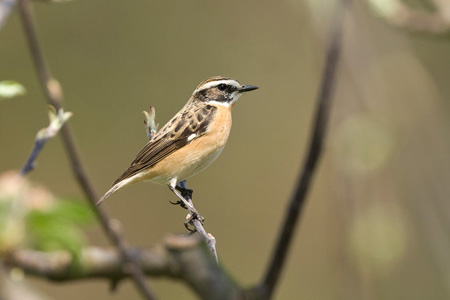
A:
[217,82]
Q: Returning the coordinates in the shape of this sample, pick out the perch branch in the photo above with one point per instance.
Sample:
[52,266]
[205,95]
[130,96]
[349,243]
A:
[179,257]
[53,92]
[206,237]
[295,208]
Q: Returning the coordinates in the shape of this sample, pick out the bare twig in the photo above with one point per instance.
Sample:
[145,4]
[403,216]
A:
[29,164]
[206,237]
[294,209]
[53,92]
[57,120]
[151,128]
[179,257]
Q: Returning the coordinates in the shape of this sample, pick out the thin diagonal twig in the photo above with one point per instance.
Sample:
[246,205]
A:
[294,209]
[206,237]
[57,119]
[53,92]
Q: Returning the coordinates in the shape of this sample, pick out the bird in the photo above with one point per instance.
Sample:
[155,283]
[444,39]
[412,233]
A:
[190,141]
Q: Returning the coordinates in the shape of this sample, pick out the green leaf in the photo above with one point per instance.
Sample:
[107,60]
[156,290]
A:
[50,232]
[59,228]
[11,88]
[77,212]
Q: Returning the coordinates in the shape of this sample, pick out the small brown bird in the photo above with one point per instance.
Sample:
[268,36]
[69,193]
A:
[190,141]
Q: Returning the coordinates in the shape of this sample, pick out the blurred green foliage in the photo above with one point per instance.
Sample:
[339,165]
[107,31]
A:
[60,227]
[30,216]
[376,222]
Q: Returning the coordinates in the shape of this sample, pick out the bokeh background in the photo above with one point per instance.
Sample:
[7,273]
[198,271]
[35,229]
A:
[376,225]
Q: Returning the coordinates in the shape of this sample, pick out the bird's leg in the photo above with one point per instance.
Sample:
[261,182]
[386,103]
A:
[185,193]
[186,202]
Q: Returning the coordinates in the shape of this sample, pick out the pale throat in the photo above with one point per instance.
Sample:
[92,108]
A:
[235,96]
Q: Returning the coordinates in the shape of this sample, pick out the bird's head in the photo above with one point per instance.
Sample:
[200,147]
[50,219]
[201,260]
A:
[221,91]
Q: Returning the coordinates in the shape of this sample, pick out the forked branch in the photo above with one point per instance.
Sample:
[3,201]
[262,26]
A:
[178,257]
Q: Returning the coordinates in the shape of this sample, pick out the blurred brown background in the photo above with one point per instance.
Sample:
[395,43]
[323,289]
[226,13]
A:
[377,223]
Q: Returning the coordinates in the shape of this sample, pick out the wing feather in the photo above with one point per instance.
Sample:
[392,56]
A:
[173,136]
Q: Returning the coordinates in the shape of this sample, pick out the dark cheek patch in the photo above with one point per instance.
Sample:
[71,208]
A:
[222,98]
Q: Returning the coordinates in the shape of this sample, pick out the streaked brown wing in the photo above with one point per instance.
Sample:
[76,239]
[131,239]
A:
[169,141]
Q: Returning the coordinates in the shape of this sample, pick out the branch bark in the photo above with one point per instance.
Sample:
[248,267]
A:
[295,207]
[53,91]
[184,262]
[208,238]
[183,258]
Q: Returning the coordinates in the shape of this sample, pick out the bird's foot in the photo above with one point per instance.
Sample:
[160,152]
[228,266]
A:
[185,192]
[185,200]
[180,203]
[189,224]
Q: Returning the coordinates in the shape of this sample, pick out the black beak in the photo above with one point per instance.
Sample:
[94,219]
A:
[247,88]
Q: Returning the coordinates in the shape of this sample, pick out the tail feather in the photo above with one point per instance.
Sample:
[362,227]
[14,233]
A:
[108,193]
[117,186]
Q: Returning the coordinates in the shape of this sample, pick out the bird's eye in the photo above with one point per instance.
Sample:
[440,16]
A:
[222,87]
